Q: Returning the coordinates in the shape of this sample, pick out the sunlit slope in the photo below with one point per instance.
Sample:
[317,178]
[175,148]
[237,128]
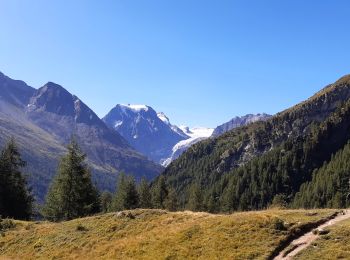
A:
[156,234]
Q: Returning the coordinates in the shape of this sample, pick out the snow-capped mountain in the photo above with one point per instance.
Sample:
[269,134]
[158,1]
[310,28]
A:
[239,121]
[153,135]
[149,132]
[196,135]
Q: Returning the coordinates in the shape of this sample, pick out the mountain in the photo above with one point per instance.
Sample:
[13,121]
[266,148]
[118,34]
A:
[152,134]
[258,161]
[42,122]
[146,130]
[195,135]
[38,147]
[283,171]
[238,122]
[15,92]
[175,128]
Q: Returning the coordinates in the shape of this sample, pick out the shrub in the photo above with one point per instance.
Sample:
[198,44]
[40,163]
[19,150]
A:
[80,227]
[6,224]
[278,224]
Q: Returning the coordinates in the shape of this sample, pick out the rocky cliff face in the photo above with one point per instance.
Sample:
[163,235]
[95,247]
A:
[238,122]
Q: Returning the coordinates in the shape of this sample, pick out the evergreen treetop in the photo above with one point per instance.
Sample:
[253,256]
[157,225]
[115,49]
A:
[72,193]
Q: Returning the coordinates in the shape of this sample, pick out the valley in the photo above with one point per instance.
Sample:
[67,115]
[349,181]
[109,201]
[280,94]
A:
[174,130]
[295,159]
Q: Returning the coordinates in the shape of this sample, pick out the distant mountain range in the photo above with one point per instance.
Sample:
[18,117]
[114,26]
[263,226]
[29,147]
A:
[153,135]
[241,165]
[42,122]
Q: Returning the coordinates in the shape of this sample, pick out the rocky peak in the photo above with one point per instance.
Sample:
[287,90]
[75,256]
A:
[144,128]
[15,92]
[53,98]
[238,122]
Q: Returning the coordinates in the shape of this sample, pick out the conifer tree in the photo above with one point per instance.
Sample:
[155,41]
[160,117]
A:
[72,193]
[159,193]
[15,199]
[171,201]
[126,196]
[212,203]
[106,201]
[145,194]
[195,202]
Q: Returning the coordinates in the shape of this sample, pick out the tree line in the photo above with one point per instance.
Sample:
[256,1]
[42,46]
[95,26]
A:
[72,194]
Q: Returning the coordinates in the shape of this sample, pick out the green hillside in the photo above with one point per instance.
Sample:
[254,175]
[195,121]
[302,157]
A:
[247,167]
[330,185]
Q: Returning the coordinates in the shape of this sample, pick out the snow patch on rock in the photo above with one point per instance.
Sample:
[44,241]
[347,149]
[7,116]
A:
[195,134]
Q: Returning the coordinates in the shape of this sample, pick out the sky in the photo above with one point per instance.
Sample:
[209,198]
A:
[200,62]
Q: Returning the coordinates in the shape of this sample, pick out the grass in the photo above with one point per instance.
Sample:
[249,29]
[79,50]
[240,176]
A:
[156,234]
[334,245]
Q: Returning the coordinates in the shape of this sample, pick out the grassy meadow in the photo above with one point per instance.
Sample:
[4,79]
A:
[157,234]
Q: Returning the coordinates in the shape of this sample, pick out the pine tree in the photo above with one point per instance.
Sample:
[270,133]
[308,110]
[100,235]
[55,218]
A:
[15,199]
[106,201]
[145,194]
[171,201]
[212,204]
[195,202]
[72,193]
[159,193]
[126,196]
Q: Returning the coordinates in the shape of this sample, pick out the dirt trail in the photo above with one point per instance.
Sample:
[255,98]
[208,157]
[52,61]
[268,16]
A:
[306,240]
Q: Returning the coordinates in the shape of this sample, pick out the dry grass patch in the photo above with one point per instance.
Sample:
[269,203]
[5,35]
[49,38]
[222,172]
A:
[156,234]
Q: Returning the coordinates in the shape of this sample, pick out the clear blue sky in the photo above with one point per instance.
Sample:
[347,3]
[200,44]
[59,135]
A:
[201,62]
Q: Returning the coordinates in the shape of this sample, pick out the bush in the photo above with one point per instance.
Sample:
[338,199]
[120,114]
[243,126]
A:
[80,227]
[279,201]
[278,224]
[6,224]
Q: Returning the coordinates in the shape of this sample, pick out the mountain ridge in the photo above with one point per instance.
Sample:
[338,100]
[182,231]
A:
[239,121]
[43,120]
